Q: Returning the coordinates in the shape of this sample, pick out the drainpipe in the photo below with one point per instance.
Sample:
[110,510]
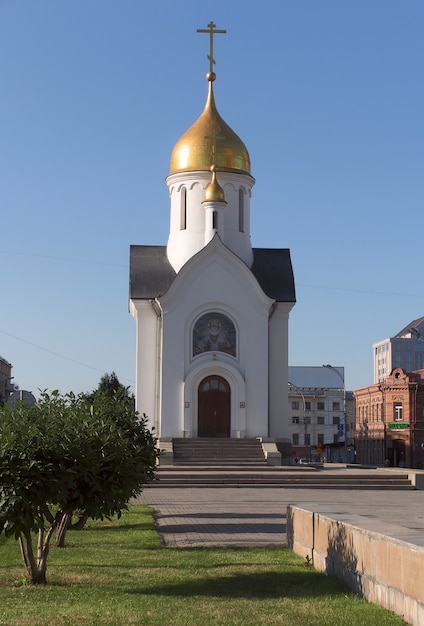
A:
[158,378]
[412,427]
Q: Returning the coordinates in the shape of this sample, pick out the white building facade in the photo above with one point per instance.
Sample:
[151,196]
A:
[321,414]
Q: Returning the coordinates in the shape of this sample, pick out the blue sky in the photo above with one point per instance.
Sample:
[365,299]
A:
[327,95]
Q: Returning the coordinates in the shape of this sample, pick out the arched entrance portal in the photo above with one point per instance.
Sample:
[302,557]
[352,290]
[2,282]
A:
[214,419]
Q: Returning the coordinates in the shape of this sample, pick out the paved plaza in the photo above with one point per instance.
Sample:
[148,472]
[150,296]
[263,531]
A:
[256,516]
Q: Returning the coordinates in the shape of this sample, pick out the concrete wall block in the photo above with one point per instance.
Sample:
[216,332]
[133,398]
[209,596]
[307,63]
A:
[302,550]
[403,605]
[412,571]
[396,565]
[369,544]
[417,479]
[319,561]
[300,521]
[321,532]
[382,557]
[380,568]
[380,594]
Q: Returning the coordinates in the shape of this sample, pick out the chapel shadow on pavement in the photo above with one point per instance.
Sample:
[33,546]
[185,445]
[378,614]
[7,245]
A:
[226,515]
[211,530]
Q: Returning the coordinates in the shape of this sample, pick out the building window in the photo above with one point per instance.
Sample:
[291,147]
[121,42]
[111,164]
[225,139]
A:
[336,406]
[335,439]
[320,406]
[307,406]
[295,405]
[183,211]
[295,439]
[320,439]
[295,420]
[335,419]
[320,419]
[398,412]
[307,439]
[241,210]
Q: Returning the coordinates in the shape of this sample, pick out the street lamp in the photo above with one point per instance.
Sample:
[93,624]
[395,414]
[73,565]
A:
[341,376]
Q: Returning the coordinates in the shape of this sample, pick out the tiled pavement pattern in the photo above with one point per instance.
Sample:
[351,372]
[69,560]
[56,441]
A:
[256,516]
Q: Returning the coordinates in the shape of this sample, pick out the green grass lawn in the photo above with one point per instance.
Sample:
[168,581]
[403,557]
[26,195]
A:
[118,573]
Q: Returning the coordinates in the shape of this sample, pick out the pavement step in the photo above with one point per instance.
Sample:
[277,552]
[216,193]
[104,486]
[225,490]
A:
[204,485]
[309,478]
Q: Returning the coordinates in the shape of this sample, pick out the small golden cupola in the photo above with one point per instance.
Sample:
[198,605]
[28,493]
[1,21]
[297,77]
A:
[214,192]
[210,141]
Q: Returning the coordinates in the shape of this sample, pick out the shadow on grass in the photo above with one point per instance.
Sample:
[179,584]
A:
[309,584]
[112,527]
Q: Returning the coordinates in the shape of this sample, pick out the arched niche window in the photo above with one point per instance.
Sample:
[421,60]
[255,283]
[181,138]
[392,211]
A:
[214,332]
[241,210]
[215,220]
[183,209]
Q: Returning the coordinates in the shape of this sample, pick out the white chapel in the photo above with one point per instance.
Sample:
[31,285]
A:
[211,312]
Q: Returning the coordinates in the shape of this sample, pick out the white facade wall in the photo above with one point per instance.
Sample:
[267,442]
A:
[278,366]
[215,280]
[148,366]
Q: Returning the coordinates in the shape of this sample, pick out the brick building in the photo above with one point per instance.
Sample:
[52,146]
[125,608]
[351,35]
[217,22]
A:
[389,421]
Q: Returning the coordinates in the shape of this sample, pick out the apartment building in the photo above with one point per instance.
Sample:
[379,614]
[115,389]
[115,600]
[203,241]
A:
[321,415]
[404,350]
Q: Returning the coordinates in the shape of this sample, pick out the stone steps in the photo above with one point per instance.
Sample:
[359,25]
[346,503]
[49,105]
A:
[223,462]
[207,451]
[277,477]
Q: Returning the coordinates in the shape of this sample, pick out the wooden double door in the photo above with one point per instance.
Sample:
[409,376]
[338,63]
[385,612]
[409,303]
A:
[214,407]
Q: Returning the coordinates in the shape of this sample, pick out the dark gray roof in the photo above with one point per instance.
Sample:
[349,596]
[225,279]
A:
[417,324]
[316,376]
[273,270]
[151,274]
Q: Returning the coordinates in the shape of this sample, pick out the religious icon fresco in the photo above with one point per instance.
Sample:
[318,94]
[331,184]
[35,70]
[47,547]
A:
[214,332]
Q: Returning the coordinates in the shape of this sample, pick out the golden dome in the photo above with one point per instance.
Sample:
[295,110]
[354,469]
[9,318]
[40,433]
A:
[210,141]
[214,192]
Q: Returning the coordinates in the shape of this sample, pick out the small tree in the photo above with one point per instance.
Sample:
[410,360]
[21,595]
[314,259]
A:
[69,453]
[110,383]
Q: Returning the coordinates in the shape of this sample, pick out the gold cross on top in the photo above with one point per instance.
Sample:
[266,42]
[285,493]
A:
[211,30]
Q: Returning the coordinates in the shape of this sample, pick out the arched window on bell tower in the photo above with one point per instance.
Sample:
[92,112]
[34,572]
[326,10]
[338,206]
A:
[183,210]
[215,220]
[241,210]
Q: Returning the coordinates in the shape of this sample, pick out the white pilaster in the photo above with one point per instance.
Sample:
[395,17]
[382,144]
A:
[148,359]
